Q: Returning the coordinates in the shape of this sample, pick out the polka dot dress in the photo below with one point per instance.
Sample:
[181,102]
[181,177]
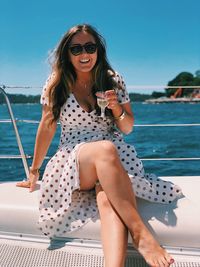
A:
[63,207]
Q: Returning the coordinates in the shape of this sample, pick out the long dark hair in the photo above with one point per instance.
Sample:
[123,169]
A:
[65,75]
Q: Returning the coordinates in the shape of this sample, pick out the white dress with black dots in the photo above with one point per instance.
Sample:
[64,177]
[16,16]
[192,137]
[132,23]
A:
[63,208]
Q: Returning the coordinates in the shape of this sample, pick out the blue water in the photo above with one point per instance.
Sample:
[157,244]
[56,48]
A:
[151,142]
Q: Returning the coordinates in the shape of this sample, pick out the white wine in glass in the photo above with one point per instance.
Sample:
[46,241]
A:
[102,102]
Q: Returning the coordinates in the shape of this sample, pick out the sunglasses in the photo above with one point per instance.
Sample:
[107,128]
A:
[76,50]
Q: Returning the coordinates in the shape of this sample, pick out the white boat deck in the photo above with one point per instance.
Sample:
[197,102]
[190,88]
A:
[176,226]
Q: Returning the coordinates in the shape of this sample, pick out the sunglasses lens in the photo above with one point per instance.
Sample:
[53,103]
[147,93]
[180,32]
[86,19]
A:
[76,50]
[90,48]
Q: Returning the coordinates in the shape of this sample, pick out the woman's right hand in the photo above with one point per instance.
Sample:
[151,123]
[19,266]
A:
[45,134]
[32,180]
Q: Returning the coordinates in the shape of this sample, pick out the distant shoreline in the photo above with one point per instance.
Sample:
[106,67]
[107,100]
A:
[21,99]
[35,99]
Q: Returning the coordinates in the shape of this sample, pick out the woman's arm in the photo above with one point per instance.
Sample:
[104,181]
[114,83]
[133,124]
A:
[124,117]
[45,134]
[122,112]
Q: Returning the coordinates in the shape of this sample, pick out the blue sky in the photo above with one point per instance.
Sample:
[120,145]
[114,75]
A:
[148,41]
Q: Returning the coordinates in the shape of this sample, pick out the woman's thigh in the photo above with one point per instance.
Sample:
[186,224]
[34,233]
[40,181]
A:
[88,155]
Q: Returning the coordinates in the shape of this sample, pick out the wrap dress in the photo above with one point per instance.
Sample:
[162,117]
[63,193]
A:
[63,207]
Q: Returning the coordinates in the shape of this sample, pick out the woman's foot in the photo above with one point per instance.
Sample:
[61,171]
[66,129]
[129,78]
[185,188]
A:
[30,183]
[152,252]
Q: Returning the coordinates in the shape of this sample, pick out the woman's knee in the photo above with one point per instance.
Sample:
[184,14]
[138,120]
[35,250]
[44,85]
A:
[107,150]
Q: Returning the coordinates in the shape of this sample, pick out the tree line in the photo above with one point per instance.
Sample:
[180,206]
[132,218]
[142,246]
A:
[20,98]
[35,99]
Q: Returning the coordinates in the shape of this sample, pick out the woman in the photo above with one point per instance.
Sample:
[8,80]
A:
[93,166]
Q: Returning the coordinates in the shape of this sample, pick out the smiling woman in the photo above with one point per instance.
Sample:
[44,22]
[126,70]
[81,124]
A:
[94,170]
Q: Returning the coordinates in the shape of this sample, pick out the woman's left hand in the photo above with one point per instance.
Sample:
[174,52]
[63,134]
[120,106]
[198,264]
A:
[31,182]
[112,99]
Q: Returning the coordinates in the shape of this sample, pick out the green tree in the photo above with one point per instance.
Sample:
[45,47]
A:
[196,80]
[182,79]
[19,98]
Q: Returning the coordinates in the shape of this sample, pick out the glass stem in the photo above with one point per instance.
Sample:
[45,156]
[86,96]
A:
[102,112]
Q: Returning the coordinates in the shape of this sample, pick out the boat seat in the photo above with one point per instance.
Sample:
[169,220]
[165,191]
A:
[176,224]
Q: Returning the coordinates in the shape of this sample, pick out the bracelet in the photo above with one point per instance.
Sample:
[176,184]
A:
[34,170]
[121,117]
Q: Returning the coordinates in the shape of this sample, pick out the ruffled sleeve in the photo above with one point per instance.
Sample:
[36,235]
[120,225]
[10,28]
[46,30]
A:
[44,99]
[121,91]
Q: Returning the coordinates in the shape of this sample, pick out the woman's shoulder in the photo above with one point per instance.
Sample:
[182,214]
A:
[46,89]
[50,80]
[114,73]
[118,78]
[120,87]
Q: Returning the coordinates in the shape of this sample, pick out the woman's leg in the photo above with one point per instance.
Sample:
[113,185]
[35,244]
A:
[114,233]
[100,160]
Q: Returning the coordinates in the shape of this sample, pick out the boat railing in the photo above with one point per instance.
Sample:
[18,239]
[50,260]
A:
[24,157]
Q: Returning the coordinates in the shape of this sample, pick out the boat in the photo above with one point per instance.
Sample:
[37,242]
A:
[176,226]
[162,100]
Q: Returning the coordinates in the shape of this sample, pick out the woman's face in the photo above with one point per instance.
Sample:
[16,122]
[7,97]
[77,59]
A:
[83,62]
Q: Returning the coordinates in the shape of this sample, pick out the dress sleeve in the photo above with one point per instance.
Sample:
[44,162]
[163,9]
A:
[44,99]
[121,91]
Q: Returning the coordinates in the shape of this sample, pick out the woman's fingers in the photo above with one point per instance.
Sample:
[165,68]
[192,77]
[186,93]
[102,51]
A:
[31,183]
[25,184]
[110,92]
[112,99]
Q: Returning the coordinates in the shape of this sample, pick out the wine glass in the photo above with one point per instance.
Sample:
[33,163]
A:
[102,102]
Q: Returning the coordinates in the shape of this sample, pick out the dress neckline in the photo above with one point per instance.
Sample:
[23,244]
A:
[88,112]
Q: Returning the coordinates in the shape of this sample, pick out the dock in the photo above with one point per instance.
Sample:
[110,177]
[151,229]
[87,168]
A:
[162,100]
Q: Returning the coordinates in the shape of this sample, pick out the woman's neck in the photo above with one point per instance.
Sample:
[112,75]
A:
[84,78]
[83,85]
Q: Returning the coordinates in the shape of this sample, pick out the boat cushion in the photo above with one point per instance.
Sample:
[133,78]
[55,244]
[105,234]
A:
[175,224]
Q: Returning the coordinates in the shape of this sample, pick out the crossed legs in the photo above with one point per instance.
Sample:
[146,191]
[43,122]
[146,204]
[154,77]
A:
[114,233]
[100,161]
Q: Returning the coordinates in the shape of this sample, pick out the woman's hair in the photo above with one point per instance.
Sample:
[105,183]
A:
[65,75]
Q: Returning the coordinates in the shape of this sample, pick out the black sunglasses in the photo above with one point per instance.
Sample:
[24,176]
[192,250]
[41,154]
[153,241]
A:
[76,50]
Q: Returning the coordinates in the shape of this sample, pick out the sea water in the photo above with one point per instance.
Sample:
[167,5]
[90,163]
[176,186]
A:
[149,142]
